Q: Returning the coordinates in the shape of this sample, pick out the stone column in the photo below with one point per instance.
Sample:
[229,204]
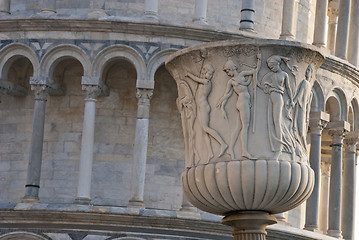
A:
[88,132]
[140,148]
[349,183]
[34,166]
[338,131]
[4,7]
[247,15]
[200,12]
[320,23]
[341,45]
[151,10]
[48,6]
[317,123]
[324,196]
[332,25]
[289,17]
[353,49]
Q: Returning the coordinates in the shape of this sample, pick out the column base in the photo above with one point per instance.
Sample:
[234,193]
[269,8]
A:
[30,199]
[249,225]
[151,17]
[188,209]
[83,201]
[135,204]
[335,233]
[312,228]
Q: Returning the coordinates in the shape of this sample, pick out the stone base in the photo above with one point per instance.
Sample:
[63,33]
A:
[136,204]
[335,233]
[83,201]
[30,199]
[312,228]
[249,225]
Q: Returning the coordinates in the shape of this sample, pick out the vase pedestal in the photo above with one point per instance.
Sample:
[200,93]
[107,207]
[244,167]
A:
[249,225]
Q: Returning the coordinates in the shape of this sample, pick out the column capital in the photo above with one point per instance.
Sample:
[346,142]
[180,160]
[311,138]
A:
[351,141]
[338,130]
[40,91]
[144,96]
[318,122]
[91,91]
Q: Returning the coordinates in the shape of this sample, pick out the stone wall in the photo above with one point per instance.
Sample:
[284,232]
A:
[221,15]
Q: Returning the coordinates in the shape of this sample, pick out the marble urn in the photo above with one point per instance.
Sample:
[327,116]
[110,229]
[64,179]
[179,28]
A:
[245,108]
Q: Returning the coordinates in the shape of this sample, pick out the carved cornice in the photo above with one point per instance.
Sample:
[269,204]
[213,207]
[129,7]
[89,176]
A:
[342,68]
[204,34]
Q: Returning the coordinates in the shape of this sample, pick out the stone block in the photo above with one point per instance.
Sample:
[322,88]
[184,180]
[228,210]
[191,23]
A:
[71,147]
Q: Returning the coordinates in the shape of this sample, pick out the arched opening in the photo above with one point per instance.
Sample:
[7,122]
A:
[114,134]
[355,109]
[63,131]
[351,118]
[165,159]
[16,111]
[332,107]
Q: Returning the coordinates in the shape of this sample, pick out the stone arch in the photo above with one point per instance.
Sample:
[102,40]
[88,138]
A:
[119,52]
[11,53]
[22,236]
[156,61]
[355,108]
[318,98]
[59,53]
[338,105]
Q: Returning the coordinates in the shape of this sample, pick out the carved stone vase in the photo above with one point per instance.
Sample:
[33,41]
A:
[245,108]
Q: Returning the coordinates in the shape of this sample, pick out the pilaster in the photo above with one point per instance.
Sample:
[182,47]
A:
[341,45]
[289,17]
[87,143]
[317,123]
[4,7]
[200,16]
[349,183]
[338,131]
[34,166]
[140,148]
[320,23]
[48,6]
[247,15]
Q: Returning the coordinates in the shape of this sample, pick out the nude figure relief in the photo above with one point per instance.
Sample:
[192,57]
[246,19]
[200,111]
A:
[239,84]
[203,89]
[187,107]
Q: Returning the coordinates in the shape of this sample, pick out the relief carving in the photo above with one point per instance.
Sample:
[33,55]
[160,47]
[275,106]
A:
[302,100]
[187,107]
[239,83]
[276,84]
[203,89]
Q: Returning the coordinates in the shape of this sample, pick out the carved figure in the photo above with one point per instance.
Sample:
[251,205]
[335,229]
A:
[238,83]
[204,109]
[302,100]
[187,106]
[276,83]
